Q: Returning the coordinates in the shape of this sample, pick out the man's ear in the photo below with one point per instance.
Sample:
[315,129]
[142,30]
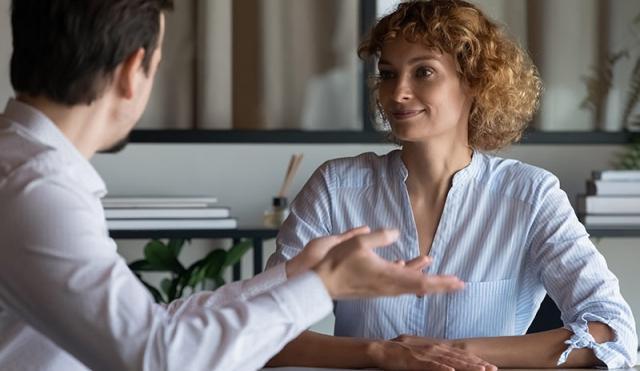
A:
[130,72]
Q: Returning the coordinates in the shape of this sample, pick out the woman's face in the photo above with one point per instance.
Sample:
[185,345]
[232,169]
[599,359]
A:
[421,93]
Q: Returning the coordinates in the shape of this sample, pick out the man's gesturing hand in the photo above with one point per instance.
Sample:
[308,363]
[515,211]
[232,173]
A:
[353,270]
[317,249]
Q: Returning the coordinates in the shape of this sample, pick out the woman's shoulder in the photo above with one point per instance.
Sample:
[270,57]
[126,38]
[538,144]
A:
[361,168]
[516,178]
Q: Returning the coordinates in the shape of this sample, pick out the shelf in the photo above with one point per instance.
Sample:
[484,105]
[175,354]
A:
[344,137]
[267,233]
[607,232]
[249,232]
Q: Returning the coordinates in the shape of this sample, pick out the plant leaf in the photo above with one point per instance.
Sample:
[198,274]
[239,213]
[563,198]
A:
[236,252]
[165,286]
[197,276]
[160,257]
[141,265]
[219,281]
[175,245]
[173,289]
[215,263]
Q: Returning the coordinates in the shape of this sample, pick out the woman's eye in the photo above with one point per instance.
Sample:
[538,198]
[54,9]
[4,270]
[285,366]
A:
[424,72]
[385,75]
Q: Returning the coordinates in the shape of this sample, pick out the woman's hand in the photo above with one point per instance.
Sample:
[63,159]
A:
[413,352]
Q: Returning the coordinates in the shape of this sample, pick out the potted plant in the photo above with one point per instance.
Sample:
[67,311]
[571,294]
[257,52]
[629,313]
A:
[206,272]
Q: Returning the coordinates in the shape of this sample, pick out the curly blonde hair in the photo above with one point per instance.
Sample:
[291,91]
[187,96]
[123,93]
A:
[504,81]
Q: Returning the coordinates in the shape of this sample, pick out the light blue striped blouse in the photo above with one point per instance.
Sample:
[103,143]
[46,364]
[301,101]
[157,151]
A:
[507,230]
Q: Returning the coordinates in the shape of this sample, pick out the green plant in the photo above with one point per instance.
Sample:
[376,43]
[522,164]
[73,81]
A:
[163,257]
[630,158]
[600,82]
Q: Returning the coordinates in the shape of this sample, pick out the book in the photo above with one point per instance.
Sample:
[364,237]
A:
[167,213]
[618,175]
[169,224]
[158,202]
[613,188]
[611,220]
[608,204]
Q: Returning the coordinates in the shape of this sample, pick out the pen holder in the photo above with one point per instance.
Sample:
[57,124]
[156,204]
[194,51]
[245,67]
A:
[278,212]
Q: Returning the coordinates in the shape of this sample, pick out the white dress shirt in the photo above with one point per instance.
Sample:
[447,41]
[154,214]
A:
[507,230]
[69,302]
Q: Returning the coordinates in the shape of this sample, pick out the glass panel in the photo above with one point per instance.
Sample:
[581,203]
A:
[260,64]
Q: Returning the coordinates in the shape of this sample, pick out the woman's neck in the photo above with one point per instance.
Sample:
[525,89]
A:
[431,166]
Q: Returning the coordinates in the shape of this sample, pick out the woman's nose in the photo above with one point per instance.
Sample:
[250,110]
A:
[402,92]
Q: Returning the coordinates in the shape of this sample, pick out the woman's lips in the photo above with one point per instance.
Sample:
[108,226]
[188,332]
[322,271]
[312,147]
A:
[406,114]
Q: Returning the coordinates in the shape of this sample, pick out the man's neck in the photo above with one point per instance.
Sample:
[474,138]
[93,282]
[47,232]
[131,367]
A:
[82,125]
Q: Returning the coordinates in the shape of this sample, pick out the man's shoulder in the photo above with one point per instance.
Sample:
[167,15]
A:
[23,155]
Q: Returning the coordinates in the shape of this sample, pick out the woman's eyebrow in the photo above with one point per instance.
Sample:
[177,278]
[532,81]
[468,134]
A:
[415,60]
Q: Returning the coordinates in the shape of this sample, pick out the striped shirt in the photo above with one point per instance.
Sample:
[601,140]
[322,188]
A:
[507,230]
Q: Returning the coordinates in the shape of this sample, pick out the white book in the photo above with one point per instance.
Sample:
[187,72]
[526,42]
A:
[612,220]
[167,213]
[618,175]
[158,202]
[169,224]
[613,188]
[608,205]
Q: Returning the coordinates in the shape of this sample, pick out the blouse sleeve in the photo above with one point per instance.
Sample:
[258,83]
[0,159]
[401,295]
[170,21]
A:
[310,217]
[578,280]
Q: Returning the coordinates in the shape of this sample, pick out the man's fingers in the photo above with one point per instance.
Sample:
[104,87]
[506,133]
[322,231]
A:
[419,263]
[353,232]
[439,284]
[408,281]
[379,238]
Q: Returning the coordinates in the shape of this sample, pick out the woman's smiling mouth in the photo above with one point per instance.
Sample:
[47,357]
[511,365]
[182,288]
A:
[405,114]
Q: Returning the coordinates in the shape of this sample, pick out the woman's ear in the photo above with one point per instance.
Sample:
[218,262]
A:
[129,73]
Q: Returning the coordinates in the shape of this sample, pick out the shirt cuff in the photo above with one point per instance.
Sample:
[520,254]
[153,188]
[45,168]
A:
[264,281]
[306,297]
[581,338]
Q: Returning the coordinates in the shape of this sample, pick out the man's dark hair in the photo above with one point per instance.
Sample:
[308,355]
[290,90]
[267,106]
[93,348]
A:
[67,50]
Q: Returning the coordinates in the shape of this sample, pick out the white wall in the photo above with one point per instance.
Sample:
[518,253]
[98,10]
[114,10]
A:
[245,177]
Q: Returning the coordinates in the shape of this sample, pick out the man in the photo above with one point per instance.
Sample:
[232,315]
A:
[82,72]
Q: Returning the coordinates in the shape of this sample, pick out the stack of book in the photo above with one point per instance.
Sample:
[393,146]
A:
[612,200]
[166,213]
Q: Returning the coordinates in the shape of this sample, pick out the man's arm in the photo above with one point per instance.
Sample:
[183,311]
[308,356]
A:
[80,294]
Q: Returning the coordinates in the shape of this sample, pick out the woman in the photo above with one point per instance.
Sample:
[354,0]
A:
[452,85]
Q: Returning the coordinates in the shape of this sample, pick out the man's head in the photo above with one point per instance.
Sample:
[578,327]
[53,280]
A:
[70,52]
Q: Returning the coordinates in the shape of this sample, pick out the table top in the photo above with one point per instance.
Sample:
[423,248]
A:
[636,368]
